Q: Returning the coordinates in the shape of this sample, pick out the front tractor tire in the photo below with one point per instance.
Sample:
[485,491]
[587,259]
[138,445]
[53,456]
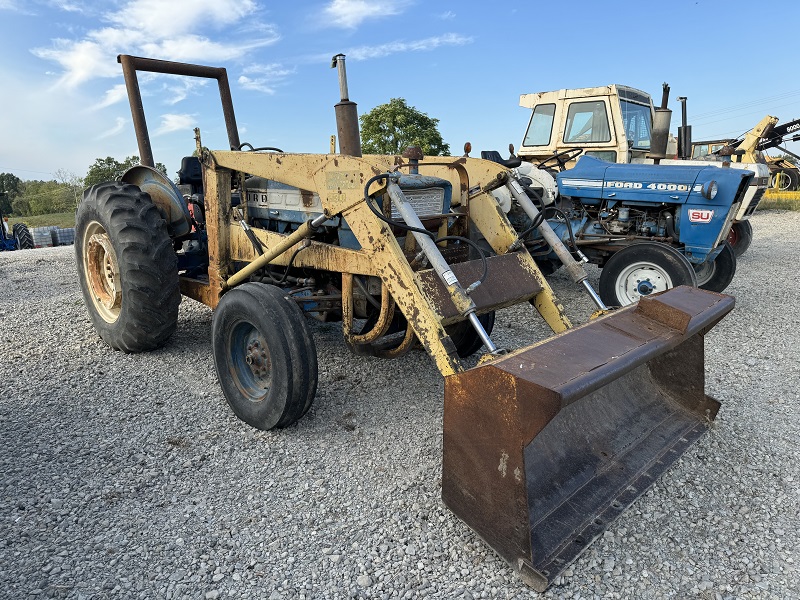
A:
[642,269]
[264,355]
[23,237]
[127,267]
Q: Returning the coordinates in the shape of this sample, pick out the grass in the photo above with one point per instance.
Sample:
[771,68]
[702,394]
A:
[784,200]
[66,219]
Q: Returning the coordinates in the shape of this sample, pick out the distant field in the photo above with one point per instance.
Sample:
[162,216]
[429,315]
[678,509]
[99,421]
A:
[66,219]
[785,200]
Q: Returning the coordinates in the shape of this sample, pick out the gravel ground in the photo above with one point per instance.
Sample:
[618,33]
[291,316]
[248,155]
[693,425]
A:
[127,476]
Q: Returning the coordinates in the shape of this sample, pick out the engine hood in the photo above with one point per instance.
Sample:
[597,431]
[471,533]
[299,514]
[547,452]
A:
[595,179]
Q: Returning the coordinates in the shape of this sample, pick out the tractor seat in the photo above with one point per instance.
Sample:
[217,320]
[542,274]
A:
[191,173]
[494,156]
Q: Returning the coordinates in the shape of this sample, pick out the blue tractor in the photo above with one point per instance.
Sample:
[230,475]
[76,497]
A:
[649,227]
[18,237]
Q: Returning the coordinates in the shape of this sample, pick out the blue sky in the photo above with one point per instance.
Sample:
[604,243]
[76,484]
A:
[62,100]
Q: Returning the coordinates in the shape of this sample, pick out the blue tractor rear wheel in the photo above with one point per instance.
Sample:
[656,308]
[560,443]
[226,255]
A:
[715,275]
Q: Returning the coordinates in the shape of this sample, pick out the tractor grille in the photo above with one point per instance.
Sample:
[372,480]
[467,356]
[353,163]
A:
[426,202]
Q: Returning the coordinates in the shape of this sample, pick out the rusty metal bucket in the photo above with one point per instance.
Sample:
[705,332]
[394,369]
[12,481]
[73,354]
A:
[545,447]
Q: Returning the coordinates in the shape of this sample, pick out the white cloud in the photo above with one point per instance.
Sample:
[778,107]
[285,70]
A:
[68,6]
[166,19]
[117,128]
[15,6]
[431,43]
[447,15]
[198,48]
[351,13]
[178,88]
[176,30]
[112,96]
[171,122]
[82,61]
[264,78]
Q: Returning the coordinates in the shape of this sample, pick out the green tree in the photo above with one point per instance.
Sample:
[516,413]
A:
[393,127]
[10,186]
[44,197]
[72,183]
[110,169]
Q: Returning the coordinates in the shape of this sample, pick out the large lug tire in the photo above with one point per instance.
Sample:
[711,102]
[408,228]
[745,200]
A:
[264,355]
[23,236]
[740,236]
[127,268]
[715,275]
[642,269]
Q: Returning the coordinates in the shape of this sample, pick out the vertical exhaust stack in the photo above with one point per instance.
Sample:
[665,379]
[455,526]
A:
[661,123]
[684,133]
[346,114]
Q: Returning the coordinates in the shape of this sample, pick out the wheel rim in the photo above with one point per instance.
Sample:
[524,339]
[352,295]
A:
[704,272]
[782,180]
[250,362]
[733,237]
[102,272]
[641,279]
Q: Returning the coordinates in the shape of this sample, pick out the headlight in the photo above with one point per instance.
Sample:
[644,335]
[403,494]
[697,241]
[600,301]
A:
[709,190]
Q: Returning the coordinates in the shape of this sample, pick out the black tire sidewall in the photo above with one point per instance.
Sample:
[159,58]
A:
[22,236]
[743,232]
[724,270]
[293,360]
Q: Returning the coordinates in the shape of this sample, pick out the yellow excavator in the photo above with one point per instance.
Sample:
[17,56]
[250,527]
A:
[544,446]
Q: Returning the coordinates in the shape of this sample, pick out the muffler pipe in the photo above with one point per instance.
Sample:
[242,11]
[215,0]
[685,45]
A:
[346,114]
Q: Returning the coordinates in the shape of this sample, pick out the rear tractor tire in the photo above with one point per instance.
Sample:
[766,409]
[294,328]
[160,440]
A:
[716,275]
[23,236]
[642,269]
[264,355]
[127,268]
[740,236]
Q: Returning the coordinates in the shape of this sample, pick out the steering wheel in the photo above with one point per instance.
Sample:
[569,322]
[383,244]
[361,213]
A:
[562,158]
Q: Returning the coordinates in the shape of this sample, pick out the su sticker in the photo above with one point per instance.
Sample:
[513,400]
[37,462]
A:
[697,215]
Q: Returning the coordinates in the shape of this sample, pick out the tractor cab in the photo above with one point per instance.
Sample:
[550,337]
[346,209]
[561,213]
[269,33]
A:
[611,122]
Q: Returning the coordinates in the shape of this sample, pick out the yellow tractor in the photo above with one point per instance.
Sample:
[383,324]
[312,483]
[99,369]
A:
[543,446]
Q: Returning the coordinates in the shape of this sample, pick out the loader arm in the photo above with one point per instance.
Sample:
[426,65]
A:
[339,181]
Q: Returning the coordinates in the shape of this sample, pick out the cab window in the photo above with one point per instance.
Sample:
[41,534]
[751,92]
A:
[541,126]
[608,155]
[587,122]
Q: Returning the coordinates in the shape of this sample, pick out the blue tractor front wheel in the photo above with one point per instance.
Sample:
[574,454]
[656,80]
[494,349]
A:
[642,269]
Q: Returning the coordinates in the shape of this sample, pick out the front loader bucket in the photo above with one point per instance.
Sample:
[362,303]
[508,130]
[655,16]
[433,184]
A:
[545,447]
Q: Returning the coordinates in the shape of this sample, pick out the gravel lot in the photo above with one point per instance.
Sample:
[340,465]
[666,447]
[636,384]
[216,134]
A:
[127,476]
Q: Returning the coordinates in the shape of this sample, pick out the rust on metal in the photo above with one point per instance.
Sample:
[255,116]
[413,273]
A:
[507,282]
[577,428]
[131,64]
[199,290]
